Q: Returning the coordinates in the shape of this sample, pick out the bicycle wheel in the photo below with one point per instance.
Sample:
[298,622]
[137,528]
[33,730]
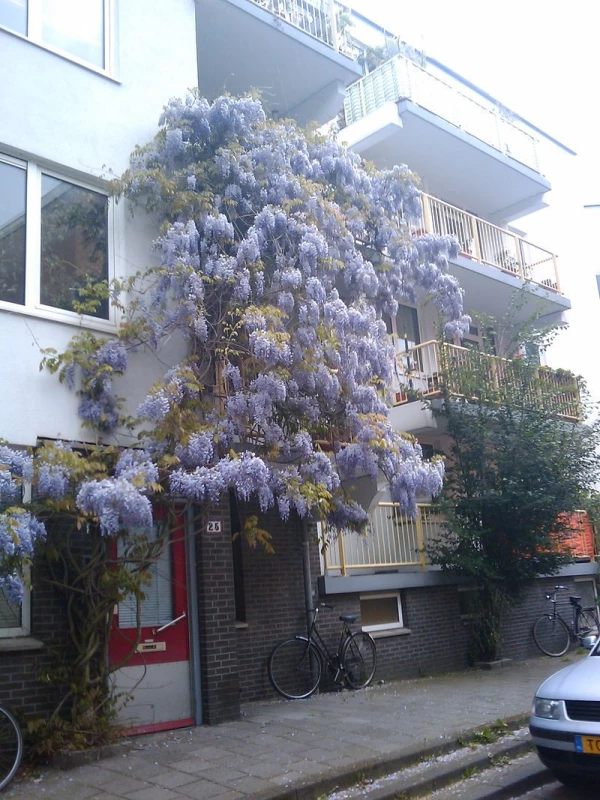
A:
[588,623]
[551,635]
[11,747]
[359,659]
[295,667]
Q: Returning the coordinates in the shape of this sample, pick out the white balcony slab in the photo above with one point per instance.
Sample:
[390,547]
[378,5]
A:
[243,47]
[454,165]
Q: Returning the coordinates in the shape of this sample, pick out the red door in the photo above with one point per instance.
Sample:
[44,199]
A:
[156,679]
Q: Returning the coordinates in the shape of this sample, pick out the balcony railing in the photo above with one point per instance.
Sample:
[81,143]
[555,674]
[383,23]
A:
[318,18]
[392,540]
[400,78]
[489,244]
[419,371]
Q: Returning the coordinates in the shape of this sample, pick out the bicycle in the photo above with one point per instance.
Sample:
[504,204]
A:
[552,634]
[296,665]
[11,747]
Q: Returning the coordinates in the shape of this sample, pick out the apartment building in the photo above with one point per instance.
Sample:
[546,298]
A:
[83,86]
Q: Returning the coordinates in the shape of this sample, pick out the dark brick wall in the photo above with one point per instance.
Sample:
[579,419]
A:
[273,584]
[216,618]
[23,687]
[517,639]
[274,593]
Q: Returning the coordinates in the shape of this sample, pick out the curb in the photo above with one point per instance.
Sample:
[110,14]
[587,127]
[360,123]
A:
[373,769]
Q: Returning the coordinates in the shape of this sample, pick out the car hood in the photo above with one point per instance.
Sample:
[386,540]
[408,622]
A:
[580,681]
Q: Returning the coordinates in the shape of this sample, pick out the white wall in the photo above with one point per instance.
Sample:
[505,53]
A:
[61,113]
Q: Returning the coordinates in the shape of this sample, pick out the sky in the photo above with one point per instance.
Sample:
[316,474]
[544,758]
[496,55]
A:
[541,60]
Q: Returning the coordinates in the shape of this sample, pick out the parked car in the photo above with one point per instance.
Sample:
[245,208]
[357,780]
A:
[565,721]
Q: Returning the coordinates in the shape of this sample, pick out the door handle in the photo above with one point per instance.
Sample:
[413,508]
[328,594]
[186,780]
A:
[168,625]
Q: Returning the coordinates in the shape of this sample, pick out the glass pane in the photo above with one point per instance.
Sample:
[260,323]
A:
[76,27]
[157,606]
[12,233]
[10,615]
[407,326]
[13,15]
[379,610]
[74,243]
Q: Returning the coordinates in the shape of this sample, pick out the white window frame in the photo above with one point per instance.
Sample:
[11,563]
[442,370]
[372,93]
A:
[386,626]
[34,35]
[33,234]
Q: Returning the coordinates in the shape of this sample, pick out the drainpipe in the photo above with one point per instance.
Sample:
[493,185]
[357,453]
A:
[308,590]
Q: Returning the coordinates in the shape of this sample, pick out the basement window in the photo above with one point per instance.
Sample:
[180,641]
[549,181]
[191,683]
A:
[381,612]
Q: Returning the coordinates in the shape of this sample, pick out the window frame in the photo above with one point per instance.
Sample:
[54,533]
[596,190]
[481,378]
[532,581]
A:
[34,35]
[33,306]
[385,626]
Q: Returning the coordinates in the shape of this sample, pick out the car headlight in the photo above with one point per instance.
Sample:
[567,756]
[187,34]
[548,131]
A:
[548,709]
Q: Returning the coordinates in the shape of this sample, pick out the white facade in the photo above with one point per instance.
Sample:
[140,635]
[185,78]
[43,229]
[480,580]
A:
[67,118]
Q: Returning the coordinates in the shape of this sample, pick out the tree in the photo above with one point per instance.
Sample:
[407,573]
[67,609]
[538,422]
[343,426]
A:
[279,256]
[517,465]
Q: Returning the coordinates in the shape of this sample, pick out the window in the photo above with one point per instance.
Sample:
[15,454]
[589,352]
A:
[381,612]
[157,606]
[76,28]
[53,238]
[15,620]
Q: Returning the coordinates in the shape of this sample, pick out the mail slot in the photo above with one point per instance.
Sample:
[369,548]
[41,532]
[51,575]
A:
[150,647]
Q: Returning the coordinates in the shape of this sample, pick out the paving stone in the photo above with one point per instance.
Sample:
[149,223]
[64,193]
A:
[153,793]
[173,779]
[202,790]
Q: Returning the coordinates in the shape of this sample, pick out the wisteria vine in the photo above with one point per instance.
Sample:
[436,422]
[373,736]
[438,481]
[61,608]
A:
[280,255]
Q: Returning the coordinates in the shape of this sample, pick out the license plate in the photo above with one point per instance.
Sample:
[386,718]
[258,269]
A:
[588,744]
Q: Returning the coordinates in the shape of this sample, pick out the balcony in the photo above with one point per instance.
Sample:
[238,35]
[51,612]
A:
[395,541]
[292,52]
[392,540]
[461,145]
[488,244]
[419,370]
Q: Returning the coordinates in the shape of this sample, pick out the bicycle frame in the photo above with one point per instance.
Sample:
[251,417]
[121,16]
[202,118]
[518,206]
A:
[572,625]
[333,661]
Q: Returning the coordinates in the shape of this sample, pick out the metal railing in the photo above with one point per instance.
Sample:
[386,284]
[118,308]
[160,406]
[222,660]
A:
[392,540]
[418,372]
[489,244]
[400,78]
[318,18]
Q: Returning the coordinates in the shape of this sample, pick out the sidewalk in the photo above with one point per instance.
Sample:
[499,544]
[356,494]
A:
[279,746]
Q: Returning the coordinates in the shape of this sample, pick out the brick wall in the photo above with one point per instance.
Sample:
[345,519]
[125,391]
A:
[216,618]
[517,639]
[274,592]
[273,585]
[22,685]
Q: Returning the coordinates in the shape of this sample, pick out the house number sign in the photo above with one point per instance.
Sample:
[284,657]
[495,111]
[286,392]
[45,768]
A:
[213,526]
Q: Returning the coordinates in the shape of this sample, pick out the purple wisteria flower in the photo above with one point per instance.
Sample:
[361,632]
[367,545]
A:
[117,504]
[19,531]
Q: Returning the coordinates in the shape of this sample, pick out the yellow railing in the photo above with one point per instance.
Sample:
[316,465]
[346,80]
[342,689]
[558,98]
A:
[318,18]
[489,244]
[401,78]
[392,540]
[418,372]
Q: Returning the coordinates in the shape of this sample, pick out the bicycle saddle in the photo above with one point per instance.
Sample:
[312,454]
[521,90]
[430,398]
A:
[574,599]
[349,617]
